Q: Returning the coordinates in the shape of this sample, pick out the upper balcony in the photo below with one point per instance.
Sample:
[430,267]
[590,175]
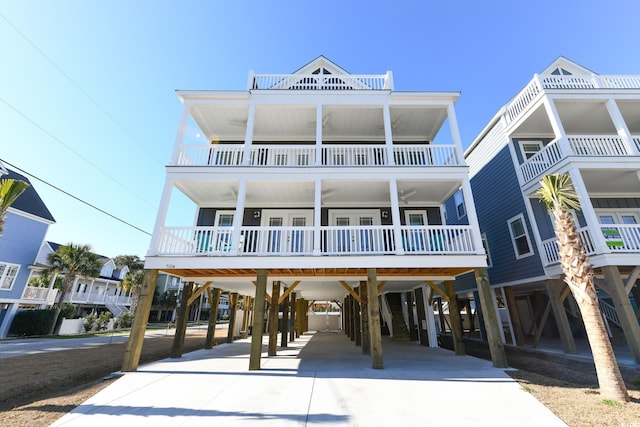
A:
[310,81]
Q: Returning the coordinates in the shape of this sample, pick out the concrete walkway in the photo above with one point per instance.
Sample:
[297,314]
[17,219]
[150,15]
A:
[321,379]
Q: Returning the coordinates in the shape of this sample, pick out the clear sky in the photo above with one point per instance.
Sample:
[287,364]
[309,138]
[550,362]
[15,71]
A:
[87,98]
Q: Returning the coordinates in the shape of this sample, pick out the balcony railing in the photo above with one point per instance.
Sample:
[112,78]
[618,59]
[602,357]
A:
[299,241]
[321,82]
[37,295]
[305,155]
[579,145]
[614,238]
[524,98]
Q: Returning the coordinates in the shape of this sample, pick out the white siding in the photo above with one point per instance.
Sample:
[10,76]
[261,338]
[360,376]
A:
[487,148]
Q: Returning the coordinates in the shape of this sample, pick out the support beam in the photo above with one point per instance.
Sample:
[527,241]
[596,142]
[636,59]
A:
[285,320]
[631,280]
[374,320]
[273,318]
[356,322]
[214,301]
[194,296]
[364,317]
[413,330]
[347,315]
[437,290]
[292,302]
[496,347]
[233,315]
[181,322]
[555,291]
[515,315]
[353,293]
[134,344]
[380,285]
[454,318]
[246,305]
[287,291]
[623,307]
[258,320]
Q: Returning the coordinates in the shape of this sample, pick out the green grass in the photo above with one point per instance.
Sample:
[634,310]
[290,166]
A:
[527,389]
[611,403]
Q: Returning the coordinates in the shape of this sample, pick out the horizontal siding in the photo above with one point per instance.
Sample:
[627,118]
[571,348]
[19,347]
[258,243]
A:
[492,143]
[19,244]
[616,203]
[494,208]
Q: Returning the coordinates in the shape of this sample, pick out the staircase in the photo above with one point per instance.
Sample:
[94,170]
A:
[116,309]
[400,332]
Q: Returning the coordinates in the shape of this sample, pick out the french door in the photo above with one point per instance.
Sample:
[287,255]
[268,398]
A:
[415,240]
[291,238]
[349,239]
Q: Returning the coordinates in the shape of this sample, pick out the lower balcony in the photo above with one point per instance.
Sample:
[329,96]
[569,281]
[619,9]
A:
[302,241]
[37,295]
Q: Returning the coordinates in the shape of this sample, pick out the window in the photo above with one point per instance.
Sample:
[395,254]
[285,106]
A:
[485,245]
[8,273]
[520,237]
[530,148]
[459,203]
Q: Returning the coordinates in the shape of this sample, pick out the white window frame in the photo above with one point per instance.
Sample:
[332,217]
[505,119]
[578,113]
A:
[7,267]
[461,204]
[521,144]
[526,235]
[485,245]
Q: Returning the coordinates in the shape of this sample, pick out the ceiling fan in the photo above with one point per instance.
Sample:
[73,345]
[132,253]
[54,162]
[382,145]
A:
[405,195]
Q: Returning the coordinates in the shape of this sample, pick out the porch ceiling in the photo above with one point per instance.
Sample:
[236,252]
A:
[611,181]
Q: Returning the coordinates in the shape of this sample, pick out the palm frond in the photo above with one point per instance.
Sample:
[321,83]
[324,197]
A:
[10,190]
[557,190]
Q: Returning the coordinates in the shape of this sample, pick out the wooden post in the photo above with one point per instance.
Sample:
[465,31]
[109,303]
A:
[292,332]
[214,300]
[374,319]
[273,318]
[620,297]
[496,347]
[246,304]
[285,322]
[181,323]
[258,320]
[347,311]
[554,289]
[134,344]
[454,317]
[233,314]
[441,315]
[413,331]
[356,323]
[364,318]
[514,314]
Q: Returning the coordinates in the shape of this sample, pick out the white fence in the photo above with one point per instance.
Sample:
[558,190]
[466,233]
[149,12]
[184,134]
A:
[320,82]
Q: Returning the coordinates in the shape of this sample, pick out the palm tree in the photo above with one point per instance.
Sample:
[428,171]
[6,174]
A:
[558,194]
[10,190]
[133,283]
[72,260]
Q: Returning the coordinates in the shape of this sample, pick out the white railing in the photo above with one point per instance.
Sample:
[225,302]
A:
[540,162]
[354,155]
[621,237]
[386,313]
[609,312]
[425,155]
[320,82]
[551,255]
[285,155]
[297,241]
[636,140]
[526,95]
[597,145]
[35,293]
[434,239]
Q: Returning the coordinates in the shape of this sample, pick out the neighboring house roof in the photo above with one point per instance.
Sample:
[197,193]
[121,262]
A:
[29,201]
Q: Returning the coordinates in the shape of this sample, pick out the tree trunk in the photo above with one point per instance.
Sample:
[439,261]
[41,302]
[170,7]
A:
[58,306]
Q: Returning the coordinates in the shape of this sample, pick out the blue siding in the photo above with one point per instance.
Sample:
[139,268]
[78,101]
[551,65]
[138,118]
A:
[452,213]
[498,197]
[19,244]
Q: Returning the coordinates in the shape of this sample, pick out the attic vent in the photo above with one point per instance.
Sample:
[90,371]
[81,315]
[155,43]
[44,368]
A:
[560,72]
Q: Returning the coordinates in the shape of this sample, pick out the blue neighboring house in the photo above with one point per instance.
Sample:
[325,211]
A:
[567,119]
[26,224]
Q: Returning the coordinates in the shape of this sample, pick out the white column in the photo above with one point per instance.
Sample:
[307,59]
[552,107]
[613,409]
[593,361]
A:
[395,216]
[621,126]
[237,217]
[455,133]
[388,81]
[430,316]
[317,218]
[50,289]
[388,134]
[587,210]
[506,304]
[182,129]
[472,217]
[556,125]
[161,216]
[318,135]
[495,307]
[248,136]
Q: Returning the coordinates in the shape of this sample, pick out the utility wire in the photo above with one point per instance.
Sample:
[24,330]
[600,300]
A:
[89,97]
[76,198]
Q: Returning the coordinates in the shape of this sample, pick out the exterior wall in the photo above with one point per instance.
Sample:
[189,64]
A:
[492,143]
[616,203]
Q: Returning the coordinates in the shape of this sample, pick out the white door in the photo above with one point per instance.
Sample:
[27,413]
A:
[415,239]
[291,240]
[351,239]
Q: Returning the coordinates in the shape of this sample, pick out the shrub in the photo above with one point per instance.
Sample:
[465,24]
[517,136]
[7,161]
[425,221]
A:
[124,320]
[32,322]
[103,320]
[89,322]
[68,310]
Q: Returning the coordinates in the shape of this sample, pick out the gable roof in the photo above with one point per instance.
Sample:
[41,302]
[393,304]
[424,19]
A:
[321,62]
[29,201]
[566,64]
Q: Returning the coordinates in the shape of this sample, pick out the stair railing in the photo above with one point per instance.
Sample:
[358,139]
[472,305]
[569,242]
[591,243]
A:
[386,313]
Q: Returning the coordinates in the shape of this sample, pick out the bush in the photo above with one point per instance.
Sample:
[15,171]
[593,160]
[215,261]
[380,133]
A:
[89,322]
[32,322]
[68,310]
[103,320]
[124,321]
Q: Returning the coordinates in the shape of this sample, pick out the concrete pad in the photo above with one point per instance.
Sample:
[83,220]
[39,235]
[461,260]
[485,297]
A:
[319,379]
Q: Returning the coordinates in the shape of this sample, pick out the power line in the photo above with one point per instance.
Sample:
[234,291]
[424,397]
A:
[89,97]
[76,198]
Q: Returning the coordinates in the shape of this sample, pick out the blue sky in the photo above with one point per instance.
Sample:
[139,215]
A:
[88,103]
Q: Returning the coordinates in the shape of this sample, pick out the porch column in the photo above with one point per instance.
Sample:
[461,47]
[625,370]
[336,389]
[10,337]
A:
[455,133]
[554,289]
[292,332]
[514,314]
[472,217]
[490,317]
[374,319]
[139,325]
[181,322]
[356,323]
[621,126]
[388,134]
[395,217]
[161,216]
[258,320]
[618,293]
[319,135]
[214,300]
[556,125]
[233,315]
[364,317]
[317,217]
[273,318]
[454,317]
[182,129]
[285,322]
[237,217]
[248,135]
[587,210]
